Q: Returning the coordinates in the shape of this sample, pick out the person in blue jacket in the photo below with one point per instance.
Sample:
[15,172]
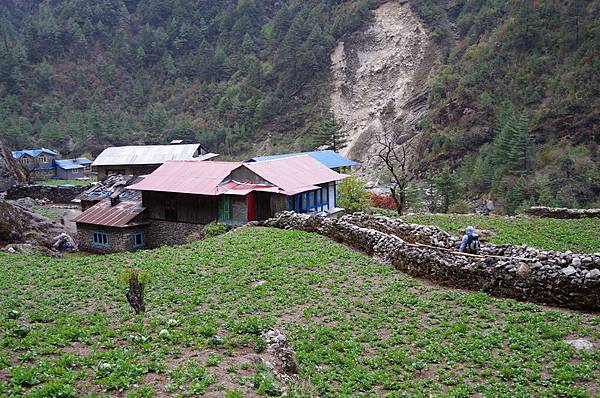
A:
[470,241]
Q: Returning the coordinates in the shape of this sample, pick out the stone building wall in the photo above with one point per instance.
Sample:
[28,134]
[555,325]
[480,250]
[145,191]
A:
[119,239]
[53,194]
[548,278]
[172,233]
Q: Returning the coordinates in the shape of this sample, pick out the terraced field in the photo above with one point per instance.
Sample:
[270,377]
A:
[358,328]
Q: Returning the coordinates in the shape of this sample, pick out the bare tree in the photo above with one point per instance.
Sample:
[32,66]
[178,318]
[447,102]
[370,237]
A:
[395,160]
[29,167]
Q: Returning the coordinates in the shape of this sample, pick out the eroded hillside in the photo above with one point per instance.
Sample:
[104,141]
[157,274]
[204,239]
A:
[380,78]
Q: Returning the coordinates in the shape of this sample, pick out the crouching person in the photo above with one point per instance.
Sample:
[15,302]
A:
[470,242]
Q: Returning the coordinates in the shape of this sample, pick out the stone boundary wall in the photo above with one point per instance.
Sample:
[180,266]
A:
[538,280]
[561,212]
[53,194]
[161,232]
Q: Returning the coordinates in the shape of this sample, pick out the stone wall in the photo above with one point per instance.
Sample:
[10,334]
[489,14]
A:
[119,239]
[549,277]
[561,212]
[172,233]
[53,194]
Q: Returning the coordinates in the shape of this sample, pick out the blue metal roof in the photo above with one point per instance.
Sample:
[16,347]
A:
[32,152]
[68,164]
[328,158]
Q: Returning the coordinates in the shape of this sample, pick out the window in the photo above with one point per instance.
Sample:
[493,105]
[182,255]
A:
[100,238]
[138,239]
[42,159]
[171,209]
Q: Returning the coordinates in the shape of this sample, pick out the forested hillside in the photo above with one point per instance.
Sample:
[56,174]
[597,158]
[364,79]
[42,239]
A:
[514,109]
[77,75]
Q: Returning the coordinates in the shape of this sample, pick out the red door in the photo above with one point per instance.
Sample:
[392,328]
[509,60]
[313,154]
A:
[251,205]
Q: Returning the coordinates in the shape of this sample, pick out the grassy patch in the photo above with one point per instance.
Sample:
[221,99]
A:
[53,213]
[359,328]
[52,181]
[579,236]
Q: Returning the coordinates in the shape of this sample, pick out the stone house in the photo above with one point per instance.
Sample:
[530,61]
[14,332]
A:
[112,226]
[144,159]
[180,197]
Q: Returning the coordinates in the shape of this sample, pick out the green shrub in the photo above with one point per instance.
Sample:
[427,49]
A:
[459,207]
[352,195]
[214,229]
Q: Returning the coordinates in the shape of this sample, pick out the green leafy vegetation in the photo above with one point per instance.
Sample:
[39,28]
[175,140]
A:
[578,236]
[53,213]
[358,328]
[352,195]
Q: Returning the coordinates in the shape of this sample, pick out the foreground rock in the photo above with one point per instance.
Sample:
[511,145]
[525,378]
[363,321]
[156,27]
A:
[10,174]
[516,272]
[561,212]
[22,231]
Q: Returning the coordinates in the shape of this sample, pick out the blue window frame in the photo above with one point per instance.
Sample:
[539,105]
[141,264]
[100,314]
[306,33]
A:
[100,239]
[138,239]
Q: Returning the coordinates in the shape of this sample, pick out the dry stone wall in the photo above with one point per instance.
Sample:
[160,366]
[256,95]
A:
[52,194]
[561,212]
[551,278]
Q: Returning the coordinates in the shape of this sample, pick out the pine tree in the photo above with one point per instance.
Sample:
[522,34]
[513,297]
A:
[329,135]
[519,144]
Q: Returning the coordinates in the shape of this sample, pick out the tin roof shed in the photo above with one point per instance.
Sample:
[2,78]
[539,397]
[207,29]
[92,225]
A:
[149,154]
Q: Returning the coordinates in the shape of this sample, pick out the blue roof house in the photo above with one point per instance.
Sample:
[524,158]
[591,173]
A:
[72,169]
[328,158]
[39,163]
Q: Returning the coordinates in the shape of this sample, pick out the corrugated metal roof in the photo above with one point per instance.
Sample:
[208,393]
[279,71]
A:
[68,164]
[328,158]
[32,152]
[191,176]
[287,175]
[119,215]
[295,174]
[145,154]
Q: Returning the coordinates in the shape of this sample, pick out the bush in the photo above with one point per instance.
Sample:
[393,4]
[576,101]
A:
[352,195]
[459,207]
[382,201]
[214,229]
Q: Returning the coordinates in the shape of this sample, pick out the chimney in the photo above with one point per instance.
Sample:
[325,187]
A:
[115,200]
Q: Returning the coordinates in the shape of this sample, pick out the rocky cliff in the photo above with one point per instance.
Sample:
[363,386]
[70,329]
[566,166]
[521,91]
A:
[380,77]
[9,171]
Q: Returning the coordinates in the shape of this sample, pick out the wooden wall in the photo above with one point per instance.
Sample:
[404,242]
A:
[197,209]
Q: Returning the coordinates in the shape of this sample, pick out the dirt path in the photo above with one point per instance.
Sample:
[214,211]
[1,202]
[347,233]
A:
[379,78]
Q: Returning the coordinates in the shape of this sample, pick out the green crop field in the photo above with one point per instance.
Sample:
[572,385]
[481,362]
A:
[359,328]
[578,236]
[53,181]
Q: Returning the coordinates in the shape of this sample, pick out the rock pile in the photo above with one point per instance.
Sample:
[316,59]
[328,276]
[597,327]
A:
[551,278]
[24,231]
[561,212]
[278,346]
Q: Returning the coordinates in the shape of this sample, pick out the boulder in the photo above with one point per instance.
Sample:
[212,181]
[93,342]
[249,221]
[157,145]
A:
[10,173]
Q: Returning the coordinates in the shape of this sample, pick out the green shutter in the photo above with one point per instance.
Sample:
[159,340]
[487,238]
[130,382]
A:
[224,213]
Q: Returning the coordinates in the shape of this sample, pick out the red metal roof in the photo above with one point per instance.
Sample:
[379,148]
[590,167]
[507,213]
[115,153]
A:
[119,215]
[295,174]
[187,176]
[287,175]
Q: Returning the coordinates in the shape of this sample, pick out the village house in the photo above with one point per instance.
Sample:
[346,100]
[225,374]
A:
[72,169]
[38,163]
[328,158]
[144,159]
[43,163]
[180,197]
